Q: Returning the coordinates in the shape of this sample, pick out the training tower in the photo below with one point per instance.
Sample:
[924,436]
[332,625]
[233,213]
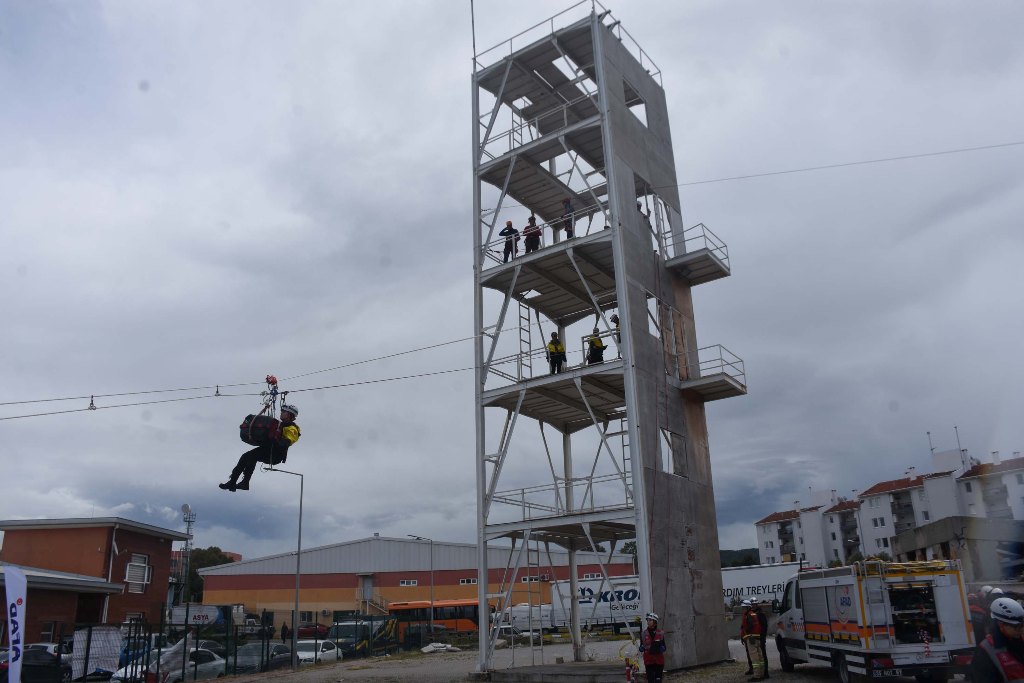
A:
[600,453]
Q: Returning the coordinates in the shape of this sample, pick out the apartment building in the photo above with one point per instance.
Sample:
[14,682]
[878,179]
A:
[900,518]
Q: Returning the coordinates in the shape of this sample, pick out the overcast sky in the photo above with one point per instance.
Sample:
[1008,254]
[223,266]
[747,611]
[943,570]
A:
[200,193]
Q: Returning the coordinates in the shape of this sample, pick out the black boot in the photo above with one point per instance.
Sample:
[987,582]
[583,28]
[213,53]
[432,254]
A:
[229,485]
[243,485]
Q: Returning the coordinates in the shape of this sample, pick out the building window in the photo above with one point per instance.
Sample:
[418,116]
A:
[836,553]
[878,542]
[970,509]
[467,582]
[833,535]
[1020,478]
[305,617]
[591,576]
[408,582]
[921,495]
[530,579]
[138,573]
[831,520]
[924,513]
[967,486]
[46,635]
[874,522]
[801,540]
[771,544]
[803,557]
[766,544]
[881,521]
[885,542]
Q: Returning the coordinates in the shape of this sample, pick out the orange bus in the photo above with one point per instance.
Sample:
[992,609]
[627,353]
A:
[451,616]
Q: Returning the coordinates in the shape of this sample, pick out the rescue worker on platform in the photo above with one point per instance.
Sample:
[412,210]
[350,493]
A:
[595,348]
[979,617]
[999,658]
[556,353]
[652,645]
[270,453]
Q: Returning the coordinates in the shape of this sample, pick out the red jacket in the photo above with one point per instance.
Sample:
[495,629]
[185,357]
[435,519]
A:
[653,644]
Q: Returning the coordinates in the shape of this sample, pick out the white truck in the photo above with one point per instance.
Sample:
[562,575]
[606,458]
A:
[879,620]
[762,582]
[608,604]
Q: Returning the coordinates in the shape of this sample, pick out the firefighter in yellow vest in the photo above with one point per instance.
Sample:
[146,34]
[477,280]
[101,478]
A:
[556,353]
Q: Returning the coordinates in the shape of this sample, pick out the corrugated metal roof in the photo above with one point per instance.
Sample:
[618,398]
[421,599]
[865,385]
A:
[383,554]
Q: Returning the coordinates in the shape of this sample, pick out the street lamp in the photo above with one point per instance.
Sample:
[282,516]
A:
[298,566]
[431,542]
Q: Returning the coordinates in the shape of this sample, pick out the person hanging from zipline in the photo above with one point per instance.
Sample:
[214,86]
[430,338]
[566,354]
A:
[272,451]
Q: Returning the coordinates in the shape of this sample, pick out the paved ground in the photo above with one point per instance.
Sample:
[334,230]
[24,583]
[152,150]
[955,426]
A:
[457,666]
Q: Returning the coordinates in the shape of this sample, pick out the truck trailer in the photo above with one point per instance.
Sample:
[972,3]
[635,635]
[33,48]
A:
[879,620]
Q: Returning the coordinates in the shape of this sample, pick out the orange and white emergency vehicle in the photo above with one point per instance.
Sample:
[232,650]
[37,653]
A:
[878,620]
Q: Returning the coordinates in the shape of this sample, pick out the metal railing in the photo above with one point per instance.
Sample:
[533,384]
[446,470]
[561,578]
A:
[526,130]
[547,500]
[547,27]
[694,239]
[709,361]
[494,250]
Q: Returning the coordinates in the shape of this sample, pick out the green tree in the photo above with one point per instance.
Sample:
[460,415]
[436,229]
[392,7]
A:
[201,558]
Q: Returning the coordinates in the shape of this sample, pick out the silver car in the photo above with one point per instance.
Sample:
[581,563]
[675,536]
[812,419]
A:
[200,665]
[315,651]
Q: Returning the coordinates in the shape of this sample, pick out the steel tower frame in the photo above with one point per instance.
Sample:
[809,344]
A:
[578,113]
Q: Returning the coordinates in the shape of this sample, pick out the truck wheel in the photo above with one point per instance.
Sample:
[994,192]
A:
[843,670]
[784,661]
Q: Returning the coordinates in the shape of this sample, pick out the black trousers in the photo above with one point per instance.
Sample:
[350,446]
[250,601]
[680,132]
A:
[270,454]
[654,672]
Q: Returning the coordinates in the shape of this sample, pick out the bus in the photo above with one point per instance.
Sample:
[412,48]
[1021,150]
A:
[450,616]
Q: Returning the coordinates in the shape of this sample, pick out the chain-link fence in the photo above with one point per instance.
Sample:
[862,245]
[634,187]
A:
[173,651]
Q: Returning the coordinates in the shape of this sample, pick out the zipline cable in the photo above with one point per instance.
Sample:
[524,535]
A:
[217,387]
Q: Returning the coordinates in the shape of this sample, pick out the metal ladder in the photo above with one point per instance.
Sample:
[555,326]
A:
[525,363]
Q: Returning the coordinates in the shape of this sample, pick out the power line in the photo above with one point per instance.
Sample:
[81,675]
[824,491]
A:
[217,387]
[824,167]
[852,163]
[93,407]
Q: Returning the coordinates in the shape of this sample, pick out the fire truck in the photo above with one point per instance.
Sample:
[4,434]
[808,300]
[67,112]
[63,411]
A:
[879,620]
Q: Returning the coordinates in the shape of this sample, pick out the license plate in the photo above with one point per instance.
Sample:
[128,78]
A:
[886,673]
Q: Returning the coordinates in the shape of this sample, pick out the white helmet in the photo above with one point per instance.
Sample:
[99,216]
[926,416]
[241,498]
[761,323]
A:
[289,408]
[1007,611]
[985,590]
[652,615]
[996,591]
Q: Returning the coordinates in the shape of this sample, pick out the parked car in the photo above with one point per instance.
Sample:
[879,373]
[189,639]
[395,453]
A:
[38,666]
[254,657]
[55,649]
[315,651]
[310,630]
[200,665]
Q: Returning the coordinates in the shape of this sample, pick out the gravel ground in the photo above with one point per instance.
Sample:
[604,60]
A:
[457,666]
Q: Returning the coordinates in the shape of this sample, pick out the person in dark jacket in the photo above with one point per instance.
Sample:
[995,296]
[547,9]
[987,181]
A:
[532,233]
[285,632]
[652,645]
[269,453]
[511,236]
[999,658]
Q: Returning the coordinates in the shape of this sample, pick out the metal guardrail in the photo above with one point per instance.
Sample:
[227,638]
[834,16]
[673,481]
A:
[547,27]
[694,239]
[494,250]
[528,130]
[712,360]
[546,500]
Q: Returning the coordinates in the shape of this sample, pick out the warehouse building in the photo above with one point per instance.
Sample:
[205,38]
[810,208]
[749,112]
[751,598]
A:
[366,575]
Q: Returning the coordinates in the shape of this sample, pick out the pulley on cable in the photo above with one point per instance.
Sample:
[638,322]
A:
[259,429]
[272,437]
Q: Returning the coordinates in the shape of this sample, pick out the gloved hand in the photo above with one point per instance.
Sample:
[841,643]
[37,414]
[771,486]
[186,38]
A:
[642,648]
